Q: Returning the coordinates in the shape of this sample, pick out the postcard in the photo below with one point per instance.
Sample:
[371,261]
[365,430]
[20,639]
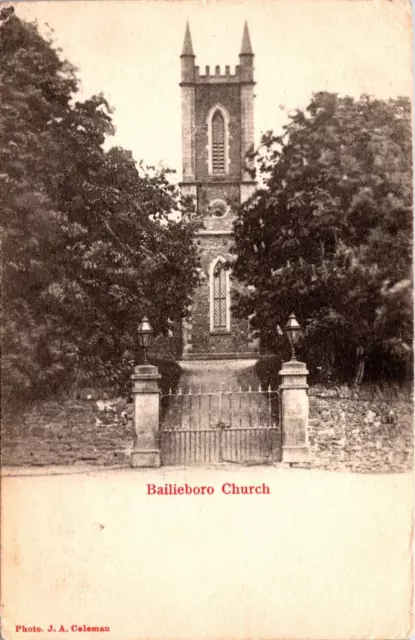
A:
[207,331]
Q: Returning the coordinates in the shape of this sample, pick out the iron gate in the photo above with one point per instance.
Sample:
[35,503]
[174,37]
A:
[222,426]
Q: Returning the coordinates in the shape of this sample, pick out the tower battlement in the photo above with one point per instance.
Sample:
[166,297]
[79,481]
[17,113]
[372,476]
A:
[243,72]
[217,77]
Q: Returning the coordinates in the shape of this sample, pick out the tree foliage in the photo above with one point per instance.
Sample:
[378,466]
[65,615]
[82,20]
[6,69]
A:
[89,242]
[329,233]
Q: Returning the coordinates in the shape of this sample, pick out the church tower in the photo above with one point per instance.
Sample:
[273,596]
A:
[217,132]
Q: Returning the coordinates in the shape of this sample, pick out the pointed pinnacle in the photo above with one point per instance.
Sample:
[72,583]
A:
[187,43]
[246,47]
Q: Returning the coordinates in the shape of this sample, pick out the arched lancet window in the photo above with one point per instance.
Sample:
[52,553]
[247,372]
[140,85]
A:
[219,297]
[218,143]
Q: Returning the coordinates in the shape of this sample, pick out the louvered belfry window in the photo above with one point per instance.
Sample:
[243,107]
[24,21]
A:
[218,143]
[219,297]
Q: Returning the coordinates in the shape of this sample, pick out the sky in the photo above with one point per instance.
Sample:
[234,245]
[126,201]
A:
[130,51]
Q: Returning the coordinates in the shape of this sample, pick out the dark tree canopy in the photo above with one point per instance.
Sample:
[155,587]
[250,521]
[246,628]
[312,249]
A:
[329,233]
[89,242]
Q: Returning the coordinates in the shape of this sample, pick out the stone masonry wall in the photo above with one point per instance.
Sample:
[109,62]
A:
[94,430]
[208,193]
[360,430]
[229,97]
[349,431]
[238,340]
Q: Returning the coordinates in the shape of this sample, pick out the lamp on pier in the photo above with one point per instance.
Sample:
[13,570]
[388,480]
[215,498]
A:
[145,336]
[292,331]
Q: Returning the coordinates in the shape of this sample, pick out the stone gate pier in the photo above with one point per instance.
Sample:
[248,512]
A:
[146,399]
[294,411]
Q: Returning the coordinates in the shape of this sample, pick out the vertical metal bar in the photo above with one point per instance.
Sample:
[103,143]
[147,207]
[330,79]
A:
[251,434]
[190,396]
[259,406]
[183,445]
[180,404]
[163,450]
[181,438]
[220,403]
[269,407]
[221,443]
[170,403]
[200,408]
[194,445]
[174,446]
[230,408]
[212,434]
[248,444]
[189,447]
[250,405]
[240,407]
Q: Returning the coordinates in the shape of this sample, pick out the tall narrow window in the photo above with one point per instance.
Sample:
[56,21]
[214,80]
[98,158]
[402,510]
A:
[218,143]
[219,297]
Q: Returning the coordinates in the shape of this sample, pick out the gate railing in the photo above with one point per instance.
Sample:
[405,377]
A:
[217,426]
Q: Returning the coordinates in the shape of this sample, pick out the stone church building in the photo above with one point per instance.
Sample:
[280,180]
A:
[217,132]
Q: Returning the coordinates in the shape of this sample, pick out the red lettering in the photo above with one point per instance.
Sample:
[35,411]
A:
[151,489]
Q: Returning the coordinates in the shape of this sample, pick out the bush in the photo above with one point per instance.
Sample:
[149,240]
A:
[170,373]
[267,369]
[269,366]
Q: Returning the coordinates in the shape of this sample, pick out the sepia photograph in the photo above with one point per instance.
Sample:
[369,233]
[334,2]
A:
[207,319]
